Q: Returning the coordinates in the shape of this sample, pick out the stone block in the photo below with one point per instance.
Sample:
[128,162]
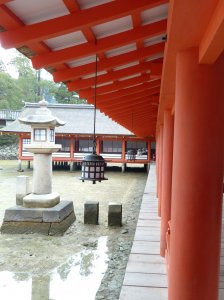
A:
[58,212]
[19,213]
[114,214]
[59,228]
[91,212]
[22,188]
[47,221]
[25,228]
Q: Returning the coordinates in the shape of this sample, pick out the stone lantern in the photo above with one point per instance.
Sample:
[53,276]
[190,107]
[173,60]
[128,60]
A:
[40,211]
[42,146]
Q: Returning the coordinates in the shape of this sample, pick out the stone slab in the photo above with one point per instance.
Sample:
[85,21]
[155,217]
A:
[47,221]
[58,212]
[19,213]
[25,227]
[91,212]
[54,214]
[50,228]
[59,228]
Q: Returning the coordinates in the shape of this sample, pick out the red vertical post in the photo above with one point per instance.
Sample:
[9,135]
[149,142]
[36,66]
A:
[20,145]
[157,164]
[160,169]
[72,148]
[166,177]
[123,150]
[197,179]
[149,150]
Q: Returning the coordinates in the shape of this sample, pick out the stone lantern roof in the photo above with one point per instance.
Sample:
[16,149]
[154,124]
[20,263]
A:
[42,116]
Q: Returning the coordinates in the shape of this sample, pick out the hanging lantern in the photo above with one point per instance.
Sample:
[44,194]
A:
[93,168]
[93,165]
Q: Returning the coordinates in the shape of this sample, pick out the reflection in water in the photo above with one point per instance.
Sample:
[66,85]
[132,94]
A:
[12,287]
[84,272]
[78,278]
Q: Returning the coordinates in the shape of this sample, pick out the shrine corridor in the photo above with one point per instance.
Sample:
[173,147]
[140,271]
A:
[146,277]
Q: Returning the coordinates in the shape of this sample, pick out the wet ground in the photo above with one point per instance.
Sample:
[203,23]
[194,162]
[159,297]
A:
[88,262]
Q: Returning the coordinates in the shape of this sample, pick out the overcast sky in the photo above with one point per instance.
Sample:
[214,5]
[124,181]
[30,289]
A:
[7,55]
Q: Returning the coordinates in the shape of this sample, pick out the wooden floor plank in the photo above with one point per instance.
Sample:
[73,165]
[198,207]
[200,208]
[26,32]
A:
[143,293]
[145,277]
[146,280]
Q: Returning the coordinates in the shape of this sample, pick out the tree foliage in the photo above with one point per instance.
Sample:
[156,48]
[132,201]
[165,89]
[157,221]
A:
[30,87]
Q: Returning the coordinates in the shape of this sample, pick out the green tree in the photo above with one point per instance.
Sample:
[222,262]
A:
[62,95]
[10,92]
[27,79]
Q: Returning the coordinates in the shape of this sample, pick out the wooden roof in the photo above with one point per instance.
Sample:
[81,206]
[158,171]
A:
[128,37]
[79,120]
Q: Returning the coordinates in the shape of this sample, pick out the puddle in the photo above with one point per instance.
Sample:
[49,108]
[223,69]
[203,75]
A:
[78,278]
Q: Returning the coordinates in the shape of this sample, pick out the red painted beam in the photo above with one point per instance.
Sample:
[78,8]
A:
[112,62]
[104,44]
[130,103]
[115,86]
[116,75]
[74,22]
[129,106]
[154,88]
[125,99]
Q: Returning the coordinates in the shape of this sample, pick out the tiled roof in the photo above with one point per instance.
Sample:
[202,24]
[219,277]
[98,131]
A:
[79,120]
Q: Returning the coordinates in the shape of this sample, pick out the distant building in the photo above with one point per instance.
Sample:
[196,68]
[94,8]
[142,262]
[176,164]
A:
[114,142]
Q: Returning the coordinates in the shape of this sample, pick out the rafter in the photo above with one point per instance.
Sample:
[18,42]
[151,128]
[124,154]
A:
[115,86]
[112,62]
[135,112]
[128,109]
[102,45]
[153,87]
[114,75]
[130,104]
[74,22]
[10,21]
[125,99]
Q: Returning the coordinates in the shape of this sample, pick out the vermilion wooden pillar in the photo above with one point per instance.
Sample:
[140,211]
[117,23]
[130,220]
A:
[197,179]
[157,164]
[160,169]
[166,177]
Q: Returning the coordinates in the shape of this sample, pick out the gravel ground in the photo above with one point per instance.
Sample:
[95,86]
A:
[88,262]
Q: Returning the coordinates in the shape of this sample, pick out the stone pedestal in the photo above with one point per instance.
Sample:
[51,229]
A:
[47,221]
[114,214]
[91,212]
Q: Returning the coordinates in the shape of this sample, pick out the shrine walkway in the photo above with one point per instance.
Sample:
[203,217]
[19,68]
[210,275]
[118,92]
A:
[145,277]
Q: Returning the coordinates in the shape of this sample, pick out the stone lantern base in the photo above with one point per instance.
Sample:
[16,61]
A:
[41,201]
[48,221]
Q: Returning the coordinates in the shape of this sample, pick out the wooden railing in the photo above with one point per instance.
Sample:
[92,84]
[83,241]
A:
[7,114]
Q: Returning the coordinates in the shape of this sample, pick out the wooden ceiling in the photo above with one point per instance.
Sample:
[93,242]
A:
[64,37]
[130,38]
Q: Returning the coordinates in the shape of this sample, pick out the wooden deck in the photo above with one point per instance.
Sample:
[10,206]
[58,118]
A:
[145,277]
